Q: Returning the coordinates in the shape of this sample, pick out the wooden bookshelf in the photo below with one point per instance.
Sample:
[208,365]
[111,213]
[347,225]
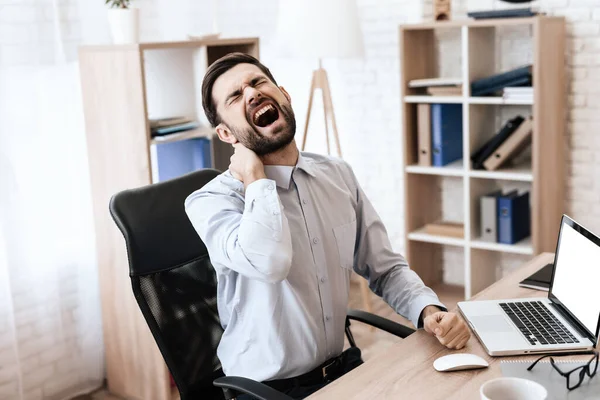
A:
[543,175]
[123,88]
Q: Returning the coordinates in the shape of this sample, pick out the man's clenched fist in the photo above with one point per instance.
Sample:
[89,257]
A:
[448,328]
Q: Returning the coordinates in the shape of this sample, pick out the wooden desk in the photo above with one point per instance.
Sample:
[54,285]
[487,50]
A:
[406,369]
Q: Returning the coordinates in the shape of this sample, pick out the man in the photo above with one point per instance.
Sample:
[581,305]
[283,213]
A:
[284,231]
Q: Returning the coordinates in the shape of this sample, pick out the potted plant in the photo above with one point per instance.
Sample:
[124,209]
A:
[123,22]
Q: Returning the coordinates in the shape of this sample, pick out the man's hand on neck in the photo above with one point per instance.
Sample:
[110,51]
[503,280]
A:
[245,165]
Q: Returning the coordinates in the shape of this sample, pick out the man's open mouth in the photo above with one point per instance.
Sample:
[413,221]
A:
[265,115]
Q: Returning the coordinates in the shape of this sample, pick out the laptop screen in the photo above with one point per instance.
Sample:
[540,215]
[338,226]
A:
[577,274]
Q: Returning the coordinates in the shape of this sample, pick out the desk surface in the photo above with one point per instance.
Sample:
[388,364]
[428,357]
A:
[406,369]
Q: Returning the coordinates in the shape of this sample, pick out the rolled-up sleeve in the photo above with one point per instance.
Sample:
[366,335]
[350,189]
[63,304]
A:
[388,272]
[248,235]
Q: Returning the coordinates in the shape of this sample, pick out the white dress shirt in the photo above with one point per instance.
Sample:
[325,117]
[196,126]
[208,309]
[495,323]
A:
[283,251]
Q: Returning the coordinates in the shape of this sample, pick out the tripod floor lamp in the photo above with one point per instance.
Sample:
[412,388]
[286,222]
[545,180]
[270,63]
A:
[321,82]
[317,30]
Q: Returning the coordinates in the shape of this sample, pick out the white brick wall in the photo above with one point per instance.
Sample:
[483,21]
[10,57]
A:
[366,99]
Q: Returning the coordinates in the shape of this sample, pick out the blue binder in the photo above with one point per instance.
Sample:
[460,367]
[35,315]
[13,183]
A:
[179,158]
[446,133]
[513,218]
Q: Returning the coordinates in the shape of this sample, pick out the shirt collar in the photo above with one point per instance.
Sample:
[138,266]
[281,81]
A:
[304,165]
[282,174]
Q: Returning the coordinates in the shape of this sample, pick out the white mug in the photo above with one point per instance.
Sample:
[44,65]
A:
[512,389]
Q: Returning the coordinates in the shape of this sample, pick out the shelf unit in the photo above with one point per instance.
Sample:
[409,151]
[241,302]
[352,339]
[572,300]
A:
[543,175]
[123,88]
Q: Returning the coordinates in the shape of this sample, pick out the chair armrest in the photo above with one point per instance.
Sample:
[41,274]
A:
[380,323]
[248,386]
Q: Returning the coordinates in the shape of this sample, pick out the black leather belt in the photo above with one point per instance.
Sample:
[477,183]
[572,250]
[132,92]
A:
[324,373]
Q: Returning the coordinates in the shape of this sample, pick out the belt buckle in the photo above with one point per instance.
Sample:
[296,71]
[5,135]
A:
[324,368]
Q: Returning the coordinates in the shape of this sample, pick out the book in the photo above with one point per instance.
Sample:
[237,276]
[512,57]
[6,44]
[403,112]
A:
[174,128]
[446,228]
[164,122]
[556,385]
[518,90]
[517,77]
[524,93]
[424,134]
[505,13]
[495,141]
[512,146]
[539,280]
[488,216]
[446,133]
[513,218]
[444,90]
[422,83]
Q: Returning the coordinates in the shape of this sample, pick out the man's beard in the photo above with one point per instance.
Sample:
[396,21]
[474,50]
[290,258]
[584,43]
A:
[261,145]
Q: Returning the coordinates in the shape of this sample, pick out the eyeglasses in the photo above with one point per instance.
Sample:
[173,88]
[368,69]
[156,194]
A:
[576,375]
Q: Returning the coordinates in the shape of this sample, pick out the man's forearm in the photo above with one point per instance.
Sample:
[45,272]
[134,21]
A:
[251,237]
[263,237]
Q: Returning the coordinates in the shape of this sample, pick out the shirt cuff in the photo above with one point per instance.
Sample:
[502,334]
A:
[260,188]
[419,304]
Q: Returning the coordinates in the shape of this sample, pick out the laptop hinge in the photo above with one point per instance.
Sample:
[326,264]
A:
[576,325]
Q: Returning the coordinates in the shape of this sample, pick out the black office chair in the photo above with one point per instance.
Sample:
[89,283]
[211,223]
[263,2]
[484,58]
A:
[175,286]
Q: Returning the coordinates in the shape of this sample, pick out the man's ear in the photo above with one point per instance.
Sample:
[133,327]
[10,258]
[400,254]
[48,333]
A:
[286,94]
[225,134]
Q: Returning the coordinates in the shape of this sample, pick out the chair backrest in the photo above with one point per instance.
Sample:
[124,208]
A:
[173,280]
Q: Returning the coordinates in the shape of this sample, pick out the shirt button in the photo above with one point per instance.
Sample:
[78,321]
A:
[327,318]
[275,212]
[270,187]
[322,280]
[316,240]
[304,201]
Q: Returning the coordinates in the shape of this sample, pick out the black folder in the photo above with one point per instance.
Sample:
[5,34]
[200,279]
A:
[540,280]
[492,145]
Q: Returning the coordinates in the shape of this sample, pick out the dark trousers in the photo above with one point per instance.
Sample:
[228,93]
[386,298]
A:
[351,358]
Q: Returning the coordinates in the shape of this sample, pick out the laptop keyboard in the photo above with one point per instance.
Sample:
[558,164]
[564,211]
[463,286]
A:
[537,323]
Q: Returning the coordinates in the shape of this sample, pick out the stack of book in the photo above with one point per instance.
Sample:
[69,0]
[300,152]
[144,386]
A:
[505,145]
[165,126]
[505,217]
[437,86]
[504,13]
[491,85]
[524,94]
[440,136]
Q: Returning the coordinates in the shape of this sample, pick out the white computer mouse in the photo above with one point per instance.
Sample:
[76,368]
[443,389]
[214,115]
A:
[459,362]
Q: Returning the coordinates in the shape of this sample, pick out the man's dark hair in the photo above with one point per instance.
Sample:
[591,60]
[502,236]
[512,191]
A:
[217,69]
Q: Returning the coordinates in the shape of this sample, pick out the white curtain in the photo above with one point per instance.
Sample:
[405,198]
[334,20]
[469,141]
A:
[51,343]
[50,324]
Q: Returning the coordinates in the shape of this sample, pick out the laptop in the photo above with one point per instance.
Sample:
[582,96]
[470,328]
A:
[565,321]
